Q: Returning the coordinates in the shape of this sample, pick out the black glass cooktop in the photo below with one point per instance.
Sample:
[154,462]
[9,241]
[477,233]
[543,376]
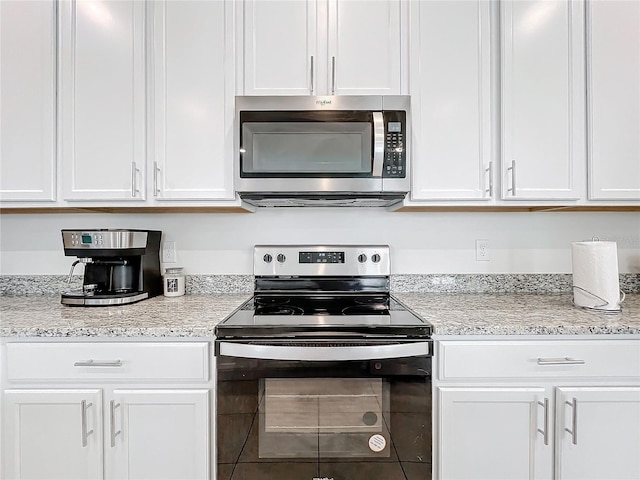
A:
[291,315]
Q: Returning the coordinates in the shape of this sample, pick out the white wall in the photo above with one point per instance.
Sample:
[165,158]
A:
[420,242]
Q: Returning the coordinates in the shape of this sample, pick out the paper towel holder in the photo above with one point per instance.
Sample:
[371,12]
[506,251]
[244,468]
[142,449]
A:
[604,304]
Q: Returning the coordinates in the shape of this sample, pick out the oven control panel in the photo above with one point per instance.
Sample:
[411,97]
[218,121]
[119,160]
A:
[321,260]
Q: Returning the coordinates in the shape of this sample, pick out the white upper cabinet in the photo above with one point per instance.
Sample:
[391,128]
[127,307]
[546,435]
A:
[28,101]
[613,85]
[543,106]
[279,47]
[102,130]
[193,100]
[365,47]
[450,86]
[323,47]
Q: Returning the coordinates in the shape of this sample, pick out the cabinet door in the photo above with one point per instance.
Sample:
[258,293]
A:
[193,97]
[613,81]
[158,434]
[52,434]
[27,100]
[103,99]
[543,118]
[598,433]
[451,100]
[366,47]
[494,433]
[280,54]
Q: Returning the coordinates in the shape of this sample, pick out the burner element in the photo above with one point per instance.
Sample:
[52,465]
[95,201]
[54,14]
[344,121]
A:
[279,310]
[271,300]
[370,309]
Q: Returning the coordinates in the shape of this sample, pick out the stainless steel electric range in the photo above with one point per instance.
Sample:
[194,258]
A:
[323,374]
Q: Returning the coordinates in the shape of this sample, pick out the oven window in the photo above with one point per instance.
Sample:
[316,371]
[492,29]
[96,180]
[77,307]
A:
[324,417]
[306,148]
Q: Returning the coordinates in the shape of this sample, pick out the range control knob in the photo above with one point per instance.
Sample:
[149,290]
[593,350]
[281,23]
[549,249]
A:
[362,258]
[281,258]
[267,258]
[375,258]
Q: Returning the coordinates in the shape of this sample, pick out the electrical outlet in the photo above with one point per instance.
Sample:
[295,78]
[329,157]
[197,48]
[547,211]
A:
[169,252]
[482,250]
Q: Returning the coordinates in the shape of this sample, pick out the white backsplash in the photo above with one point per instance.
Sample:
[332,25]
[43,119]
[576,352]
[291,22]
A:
[421,243]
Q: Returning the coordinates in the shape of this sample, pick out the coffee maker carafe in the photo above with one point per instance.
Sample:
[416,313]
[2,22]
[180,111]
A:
[120,266]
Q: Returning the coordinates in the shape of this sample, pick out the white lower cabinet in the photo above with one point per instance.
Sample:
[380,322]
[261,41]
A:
[52,434]
[597,433]
[98,410]
[492,434]
[158,434]
[551,414]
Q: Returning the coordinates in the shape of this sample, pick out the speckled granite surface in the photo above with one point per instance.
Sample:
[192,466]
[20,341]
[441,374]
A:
[187,316]
[56,284]
[443,283]
[498,283]
[455,304]
[197,316]
[519,314]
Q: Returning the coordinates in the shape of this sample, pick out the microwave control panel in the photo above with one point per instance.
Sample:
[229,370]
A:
[395,161]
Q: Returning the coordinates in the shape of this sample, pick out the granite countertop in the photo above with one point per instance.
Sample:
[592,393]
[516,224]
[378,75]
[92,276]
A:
[519,314]
[197,315]
[187,316]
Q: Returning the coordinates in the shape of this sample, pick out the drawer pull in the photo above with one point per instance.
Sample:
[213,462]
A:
[112,422]
[545,432]
[92,363]
[84,406]
[560,361]
[574,420]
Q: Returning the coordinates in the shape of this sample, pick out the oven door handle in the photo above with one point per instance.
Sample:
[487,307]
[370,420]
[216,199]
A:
[279,352]
[378,144]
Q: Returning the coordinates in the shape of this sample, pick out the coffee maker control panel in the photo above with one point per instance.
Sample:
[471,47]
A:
[104,239]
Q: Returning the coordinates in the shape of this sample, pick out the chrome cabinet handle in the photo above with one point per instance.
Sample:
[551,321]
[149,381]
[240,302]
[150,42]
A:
[156,171]
[92,363]
[489,171]
[112,422]
[574,420]
[378,144]
[513,178]
[560,361]
[545,432]
[84,405]
[134,179]
[311,86]
[333,75]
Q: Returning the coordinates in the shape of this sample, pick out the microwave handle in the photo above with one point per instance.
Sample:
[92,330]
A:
[378,144]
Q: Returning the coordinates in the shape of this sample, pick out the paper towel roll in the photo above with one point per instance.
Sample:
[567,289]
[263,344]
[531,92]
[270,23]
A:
[595,275]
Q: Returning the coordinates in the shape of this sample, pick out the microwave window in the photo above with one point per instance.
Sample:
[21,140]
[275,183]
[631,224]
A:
[307,148]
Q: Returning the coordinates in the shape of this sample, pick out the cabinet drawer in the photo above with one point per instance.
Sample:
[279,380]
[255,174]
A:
[175,361]
[538,359]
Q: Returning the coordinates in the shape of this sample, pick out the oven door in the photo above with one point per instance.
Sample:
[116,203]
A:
[310,411]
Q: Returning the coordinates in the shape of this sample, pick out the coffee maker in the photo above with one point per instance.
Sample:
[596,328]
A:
[120,266]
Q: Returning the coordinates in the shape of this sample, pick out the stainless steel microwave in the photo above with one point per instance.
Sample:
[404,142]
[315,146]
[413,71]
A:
[322,151]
